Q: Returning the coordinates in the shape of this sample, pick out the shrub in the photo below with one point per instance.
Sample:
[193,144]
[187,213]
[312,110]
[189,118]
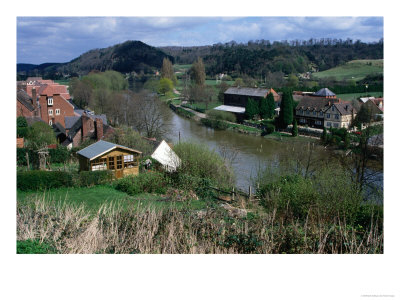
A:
[200,162]
[216,124]
[91,178]
[59,155]
[221,115]
[34,247]
[148,182]
[41,180]
[269,128]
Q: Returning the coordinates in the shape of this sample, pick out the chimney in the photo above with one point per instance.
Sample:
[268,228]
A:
[99,129]
[85,125]
[34,97]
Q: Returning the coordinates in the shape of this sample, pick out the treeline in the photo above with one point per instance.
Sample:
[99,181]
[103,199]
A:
[256,58]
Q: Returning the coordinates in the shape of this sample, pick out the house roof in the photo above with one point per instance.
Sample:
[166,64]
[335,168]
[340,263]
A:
[234,109]
[101,147]
[33,120]
[70,121]
[313,103]
[55,89]
[245,91]
[24,99]
[324,92]
[344,108]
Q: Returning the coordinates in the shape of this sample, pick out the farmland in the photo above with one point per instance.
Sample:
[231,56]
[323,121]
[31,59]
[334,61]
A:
[353,70]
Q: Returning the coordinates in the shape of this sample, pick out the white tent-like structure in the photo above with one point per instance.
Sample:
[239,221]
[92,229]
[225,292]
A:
[166,157]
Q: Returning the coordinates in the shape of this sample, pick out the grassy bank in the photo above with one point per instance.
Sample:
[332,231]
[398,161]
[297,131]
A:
[92,199]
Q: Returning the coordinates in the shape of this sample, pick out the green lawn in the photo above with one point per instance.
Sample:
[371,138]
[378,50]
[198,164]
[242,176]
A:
[358,95]
[355,69]
[93,198]
[62,81]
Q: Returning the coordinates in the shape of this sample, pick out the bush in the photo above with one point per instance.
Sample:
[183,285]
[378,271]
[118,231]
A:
[200,162]
[34,247]
[269,128]
[148,182]
[221,115]
[216,124]
[41,180]
[59,155]
[91,178]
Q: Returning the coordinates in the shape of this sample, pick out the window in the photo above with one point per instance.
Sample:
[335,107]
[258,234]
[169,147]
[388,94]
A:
[321,114]
[307,112]
[57,111]
[336,125]
[111,163]
[50,122]
[337,116]
[119,162]
[314,113]
[50,101]
[328,115]
[328,124]
[318,122]
[302,120]
[99,164]
[129,161]
[333,108]
[50,112]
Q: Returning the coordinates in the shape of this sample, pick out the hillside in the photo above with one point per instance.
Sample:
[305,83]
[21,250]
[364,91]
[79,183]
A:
[130,56]
[355,69]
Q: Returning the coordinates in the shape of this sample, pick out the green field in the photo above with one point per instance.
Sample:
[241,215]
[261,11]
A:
[358,95]
[93,198]
[355,70]
[62,82]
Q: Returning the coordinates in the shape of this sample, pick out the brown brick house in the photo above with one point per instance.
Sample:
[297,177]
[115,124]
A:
[53,106]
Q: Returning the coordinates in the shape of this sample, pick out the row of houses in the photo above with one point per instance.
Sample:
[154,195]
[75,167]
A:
[314,109]
[40,100]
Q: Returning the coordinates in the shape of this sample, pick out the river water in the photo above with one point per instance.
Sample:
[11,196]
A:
[254,153]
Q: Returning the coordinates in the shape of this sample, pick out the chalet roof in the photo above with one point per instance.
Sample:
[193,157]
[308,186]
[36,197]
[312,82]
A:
[324,92]
[313,103]
[99,148]
[24,99]
[245,91]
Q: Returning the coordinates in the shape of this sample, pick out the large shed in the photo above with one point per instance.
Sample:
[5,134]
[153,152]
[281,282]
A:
[104,155]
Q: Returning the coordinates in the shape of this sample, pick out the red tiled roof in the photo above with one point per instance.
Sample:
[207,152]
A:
[51,90]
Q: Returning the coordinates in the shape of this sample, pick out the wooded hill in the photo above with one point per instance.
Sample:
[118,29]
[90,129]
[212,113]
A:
[130,56]
[256,58]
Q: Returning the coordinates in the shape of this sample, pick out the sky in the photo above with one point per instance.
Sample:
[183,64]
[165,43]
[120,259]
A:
[61,39]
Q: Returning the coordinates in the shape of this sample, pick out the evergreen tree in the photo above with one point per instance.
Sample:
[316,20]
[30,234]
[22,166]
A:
[264,113]
[270,106]
[295,130]
[251,109]
[286,111]
[324,136]
[346,140]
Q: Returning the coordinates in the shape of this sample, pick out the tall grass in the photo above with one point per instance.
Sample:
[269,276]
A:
[70,229]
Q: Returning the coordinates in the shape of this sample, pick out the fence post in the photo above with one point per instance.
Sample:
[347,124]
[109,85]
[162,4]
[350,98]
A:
[249,192]
[233,194]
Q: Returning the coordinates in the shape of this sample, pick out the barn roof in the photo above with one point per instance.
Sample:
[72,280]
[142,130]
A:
[244,91]
[99,148]
[324,92]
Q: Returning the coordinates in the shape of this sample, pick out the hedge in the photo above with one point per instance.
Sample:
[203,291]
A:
[42,180]
[148,182]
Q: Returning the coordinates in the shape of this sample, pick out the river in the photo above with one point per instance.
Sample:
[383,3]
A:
[253,152]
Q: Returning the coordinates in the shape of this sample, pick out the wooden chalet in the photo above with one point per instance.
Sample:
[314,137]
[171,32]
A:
[103,155]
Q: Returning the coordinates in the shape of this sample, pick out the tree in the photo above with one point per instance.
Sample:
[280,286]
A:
[286,111]
[167,71]
[324,136]
[264,108]
[222,88]
[198,72]
[270,106]
[251,109]
[165,86]
[40,135]
[363,116]
[295,131]
[238,82]
[21,122]
[293,81]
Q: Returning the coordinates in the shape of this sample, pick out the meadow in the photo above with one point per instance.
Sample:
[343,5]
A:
[352,70]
